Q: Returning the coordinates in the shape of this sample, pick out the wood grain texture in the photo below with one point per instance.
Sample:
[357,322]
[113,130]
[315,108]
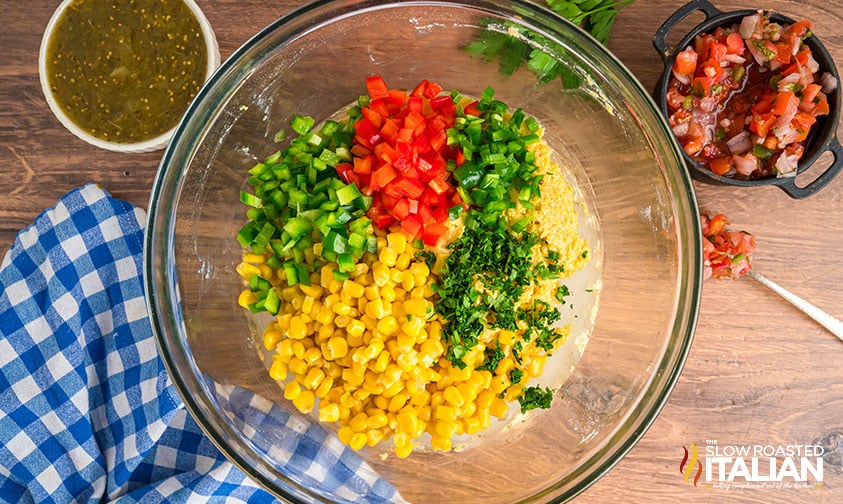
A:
[759,371]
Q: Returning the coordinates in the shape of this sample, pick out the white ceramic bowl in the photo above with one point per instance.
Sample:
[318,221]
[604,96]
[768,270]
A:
[152,144]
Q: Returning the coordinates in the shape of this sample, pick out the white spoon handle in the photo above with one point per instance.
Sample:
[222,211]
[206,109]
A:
[834,325]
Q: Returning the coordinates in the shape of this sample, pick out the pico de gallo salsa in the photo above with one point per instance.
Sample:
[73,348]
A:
[726,253]
[743,99]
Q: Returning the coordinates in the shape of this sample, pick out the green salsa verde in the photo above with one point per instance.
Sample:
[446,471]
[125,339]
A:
[125,71]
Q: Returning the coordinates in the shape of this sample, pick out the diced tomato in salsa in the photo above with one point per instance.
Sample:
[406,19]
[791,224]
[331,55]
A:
[742,101]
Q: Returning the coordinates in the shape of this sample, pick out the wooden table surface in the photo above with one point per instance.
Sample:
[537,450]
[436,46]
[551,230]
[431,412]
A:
[759,372]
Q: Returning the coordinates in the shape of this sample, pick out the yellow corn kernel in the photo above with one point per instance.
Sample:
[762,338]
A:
[408,282]
[377,421]
[292,390]
[418,292]
[388,325]
[348,400]
[345,434]
[381,363]
[408,360]
[425,413]
[278,370]
[376,309]
[326,275]
[313,378]
[417,307]
[325,315]
[353,289]
[329,412]
[453,396]
[506,365]
[499,384]
[360,270]
[245,270]
[374,436]
[341,308]
[397,242]
[246,298]
[314,291]
[534,366]
[498,408]
[324,387]
[391,375]
[485,398]
[400,438]
[374,349]
[298,329]
[305,401]
[414,324]
[290,293]
[468,391]
[435,330]
[458,374]
[405,342]
[358,441]
[307,305]
[372,292]
[468,409]
[312,355]
[397,402]
[271,338]
[386,256]
[337,348]
[381,402]
[334,286]
[388,293]
[403,261]
[471,425]
[380,274]
[506,337]
[359,422]
[362,394]
[408,420]
[440,443]
[419,269]
[445,412]
[326,332]
[396,275]
[351,378]
[285,348]
[297,366]
[404,450]
[416,388]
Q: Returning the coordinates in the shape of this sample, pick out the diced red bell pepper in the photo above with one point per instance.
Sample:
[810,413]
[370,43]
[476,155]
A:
[383,176]
[377,87]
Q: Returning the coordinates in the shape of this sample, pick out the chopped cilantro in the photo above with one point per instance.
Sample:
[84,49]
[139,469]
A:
[515,376]
[561,293]
[535,397]
[493,357]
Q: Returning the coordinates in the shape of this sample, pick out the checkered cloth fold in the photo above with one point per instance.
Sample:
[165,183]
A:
[87,410]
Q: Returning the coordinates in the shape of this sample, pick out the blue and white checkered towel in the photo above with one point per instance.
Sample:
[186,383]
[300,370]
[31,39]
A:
[87,410]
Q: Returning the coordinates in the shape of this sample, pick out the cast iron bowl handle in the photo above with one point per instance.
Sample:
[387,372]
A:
[659,40]
[789,186]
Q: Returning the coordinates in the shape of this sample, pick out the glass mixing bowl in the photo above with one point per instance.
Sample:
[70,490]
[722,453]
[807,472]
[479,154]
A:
[615,148]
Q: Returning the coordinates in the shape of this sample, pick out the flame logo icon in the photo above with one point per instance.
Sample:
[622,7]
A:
[686,467]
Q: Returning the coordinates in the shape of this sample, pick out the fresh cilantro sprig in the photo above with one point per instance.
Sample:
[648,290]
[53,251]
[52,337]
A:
[595,16]
[496,41]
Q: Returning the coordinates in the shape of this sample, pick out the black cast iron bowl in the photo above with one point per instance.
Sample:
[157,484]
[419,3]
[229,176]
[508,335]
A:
[823,136]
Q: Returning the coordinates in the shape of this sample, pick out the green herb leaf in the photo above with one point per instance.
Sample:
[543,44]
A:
[535,397]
